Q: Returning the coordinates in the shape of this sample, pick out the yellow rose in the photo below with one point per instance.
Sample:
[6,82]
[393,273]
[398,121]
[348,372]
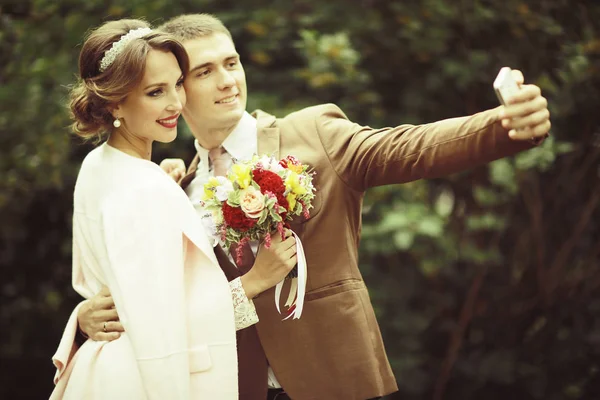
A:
[241,175]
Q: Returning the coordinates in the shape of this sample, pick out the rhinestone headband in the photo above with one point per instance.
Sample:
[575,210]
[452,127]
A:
[118,46]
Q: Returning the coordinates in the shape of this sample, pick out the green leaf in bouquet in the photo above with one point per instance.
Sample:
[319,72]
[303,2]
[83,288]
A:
[274,215]
[263,216]
[234,198]
[270,203]
[213,204]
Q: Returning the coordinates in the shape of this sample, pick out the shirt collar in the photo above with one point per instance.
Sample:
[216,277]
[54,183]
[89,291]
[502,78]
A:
[241,142]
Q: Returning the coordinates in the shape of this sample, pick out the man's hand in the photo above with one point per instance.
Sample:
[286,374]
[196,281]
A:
[174,167]
[98,318]
[271,265]
[526,114]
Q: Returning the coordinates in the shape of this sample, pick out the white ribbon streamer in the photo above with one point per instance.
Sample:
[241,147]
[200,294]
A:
[297,286]
[278,294]
[292,295]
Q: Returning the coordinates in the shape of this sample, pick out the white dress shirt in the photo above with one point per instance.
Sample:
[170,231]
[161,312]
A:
[241,144]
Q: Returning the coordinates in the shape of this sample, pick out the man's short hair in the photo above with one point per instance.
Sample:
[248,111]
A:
[194,26]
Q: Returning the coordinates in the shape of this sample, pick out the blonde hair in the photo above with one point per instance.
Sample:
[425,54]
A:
[194,26]
[96,91]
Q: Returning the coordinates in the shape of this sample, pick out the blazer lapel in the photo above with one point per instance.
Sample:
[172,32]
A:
[267,134]
[269,144]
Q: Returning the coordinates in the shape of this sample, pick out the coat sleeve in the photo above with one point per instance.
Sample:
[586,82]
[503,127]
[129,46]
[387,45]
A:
[145,274]
[67,346]
[364,157]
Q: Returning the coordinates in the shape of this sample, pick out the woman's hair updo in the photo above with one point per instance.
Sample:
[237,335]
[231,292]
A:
[96,91]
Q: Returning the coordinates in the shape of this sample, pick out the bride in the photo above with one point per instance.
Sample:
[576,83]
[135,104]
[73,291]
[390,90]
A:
[135,231]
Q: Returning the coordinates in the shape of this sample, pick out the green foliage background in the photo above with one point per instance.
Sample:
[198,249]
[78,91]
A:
[486,283]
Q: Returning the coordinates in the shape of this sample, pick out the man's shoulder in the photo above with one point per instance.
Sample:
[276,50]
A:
[314,111]
[304,114]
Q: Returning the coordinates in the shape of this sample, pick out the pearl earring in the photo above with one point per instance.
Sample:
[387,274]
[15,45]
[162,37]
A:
[117,123]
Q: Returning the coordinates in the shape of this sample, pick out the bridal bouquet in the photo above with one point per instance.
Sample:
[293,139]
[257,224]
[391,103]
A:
[256,200]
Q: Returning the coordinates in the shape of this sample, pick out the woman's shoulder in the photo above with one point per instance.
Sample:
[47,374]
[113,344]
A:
[92,159]
[105,170]
[111,170]
[149,192]
[148,188]
[151,208]
[117,185]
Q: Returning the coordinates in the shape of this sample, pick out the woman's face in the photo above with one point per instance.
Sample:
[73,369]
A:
[150,112]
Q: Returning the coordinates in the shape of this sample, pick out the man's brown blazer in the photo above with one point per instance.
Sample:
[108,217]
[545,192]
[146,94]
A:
[335,350]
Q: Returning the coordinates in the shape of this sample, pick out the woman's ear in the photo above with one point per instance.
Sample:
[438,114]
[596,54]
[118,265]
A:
[114,110]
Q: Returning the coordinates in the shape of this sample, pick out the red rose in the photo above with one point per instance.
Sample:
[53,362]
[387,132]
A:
[235,218]
[269,181]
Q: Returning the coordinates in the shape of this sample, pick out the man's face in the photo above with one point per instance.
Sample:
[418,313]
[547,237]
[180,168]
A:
[215,86]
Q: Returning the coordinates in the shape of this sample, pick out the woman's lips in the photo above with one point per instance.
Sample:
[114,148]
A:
[170,122]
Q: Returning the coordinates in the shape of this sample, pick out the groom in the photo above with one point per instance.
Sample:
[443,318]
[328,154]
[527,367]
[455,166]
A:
[335,351]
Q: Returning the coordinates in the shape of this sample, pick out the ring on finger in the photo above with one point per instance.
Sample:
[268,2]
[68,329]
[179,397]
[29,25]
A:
[104,329]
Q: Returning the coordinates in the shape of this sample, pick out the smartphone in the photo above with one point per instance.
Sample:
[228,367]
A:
[505,85]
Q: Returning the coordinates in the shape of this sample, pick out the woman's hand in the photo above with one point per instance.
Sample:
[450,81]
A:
[271,266]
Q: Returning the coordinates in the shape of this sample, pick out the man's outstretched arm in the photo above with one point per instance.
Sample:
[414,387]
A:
[364,157]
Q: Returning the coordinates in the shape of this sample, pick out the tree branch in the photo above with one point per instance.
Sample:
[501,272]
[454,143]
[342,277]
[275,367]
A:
[456,340]
[533,200]
[563,254]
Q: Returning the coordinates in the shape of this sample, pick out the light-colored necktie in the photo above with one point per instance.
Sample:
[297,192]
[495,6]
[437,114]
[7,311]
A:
[221,161]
